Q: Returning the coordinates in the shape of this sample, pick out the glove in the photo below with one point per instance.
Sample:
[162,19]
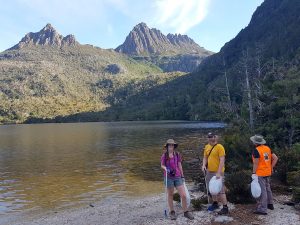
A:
[254,176]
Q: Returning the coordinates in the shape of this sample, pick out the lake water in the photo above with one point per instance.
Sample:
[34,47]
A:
[54,166]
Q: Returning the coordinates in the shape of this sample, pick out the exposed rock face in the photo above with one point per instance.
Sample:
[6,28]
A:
[145,41]
[47,36]
[174,50]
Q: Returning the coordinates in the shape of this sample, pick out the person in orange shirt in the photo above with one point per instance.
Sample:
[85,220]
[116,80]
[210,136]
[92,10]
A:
[263,164]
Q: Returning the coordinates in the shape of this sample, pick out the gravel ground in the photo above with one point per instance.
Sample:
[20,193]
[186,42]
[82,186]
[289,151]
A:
[150,211]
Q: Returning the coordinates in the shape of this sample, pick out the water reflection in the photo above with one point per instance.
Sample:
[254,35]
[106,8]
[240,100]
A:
[62,165]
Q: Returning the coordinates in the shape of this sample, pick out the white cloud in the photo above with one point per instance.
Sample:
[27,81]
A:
[175,15]
[180,15]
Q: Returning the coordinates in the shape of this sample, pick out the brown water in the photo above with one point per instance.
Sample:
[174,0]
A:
[53,166]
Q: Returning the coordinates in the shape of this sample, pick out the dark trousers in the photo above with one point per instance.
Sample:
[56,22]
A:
[266,196]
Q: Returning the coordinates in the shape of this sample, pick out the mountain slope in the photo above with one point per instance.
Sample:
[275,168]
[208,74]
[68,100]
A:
[44,76]
[267,51]
[171,53]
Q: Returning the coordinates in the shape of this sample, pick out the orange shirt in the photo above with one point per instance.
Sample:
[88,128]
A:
[264,167]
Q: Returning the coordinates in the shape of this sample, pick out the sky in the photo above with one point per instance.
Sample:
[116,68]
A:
[106,23]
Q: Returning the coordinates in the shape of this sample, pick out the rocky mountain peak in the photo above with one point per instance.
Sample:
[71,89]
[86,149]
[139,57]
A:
[145,41]
[47,36]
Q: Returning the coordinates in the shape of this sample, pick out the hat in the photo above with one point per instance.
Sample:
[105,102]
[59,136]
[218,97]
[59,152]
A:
[258,139]
[210,135]
[171,141]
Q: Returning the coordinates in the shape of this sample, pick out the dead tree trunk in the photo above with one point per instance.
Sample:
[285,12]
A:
[248,90]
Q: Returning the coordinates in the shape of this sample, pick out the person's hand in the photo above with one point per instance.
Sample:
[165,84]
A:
[168,170]
[254,176]
[218,175]
[203,168]
[183,180]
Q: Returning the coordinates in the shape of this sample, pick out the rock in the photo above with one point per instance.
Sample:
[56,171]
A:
[223,219]
[143,41]
[48,36]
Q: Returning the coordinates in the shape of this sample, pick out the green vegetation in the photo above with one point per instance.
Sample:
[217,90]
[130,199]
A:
[45,82]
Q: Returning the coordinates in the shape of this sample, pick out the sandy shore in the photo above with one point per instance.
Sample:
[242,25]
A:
[150,211]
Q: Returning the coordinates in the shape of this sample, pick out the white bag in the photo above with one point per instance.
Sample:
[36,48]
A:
[188,197]
[215,185]
[255,188]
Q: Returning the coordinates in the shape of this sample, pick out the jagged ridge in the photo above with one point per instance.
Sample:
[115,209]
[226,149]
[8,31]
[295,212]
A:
[145,41]
[47,36]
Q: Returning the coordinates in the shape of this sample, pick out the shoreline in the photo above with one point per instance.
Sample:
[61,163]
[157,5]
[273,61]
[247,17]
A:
[150,211]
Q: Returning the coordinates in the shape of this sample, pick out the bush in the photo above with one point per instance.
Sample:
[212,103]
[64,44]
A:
[238,187]
[176,197]
[296,195]
[197,203]
[293,178]
[289,161]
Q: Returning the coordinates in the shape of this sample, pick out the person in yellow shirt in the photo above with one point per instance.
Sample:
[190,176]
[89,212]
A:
[214,165]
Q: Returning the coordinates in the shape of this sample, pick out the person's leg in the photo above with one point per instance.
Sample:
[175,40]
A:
[263,200]
[182,193]
[222,197]
[269,193]
[214,198]
[170,198]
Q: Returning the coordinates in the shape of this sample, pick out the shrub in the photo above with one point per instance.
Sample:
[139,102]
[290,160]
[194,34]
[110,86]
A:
[238,187]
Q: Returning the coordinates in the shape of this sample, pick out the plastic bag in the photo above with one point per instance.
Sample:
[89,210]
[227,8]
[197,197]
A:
[188,197]
[215,185]
[255,188]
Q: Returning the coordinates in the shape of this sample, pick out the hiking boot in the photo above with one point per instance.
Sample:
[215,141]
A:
[260,213]
[213,207]
[271,206]
[223,211]
[173,215]
[188,215]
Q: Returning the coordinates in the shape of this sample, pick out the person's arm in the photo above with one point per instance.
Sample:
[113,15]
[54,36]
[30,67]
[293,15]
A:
[162,165]
[181,170]
[255,164]
[204,162]
[256,157]
[274,161]
[221,166]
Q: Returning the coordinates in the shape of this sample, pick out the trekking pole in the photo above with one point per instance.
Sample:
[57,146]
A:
[166,190]
[206,186]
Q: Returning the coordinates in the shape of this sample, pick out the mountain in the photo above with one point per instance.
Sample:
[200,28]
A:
[143,41]
[171,53]
[259,68]
[48,36]
[47,75]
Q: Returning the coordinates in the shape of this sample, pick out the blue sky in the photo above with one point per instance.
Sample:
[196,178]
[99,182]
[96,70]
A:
[106,23]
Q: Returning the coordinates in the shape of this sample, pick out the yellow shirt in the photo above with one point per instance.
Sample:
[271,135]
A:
[214,157]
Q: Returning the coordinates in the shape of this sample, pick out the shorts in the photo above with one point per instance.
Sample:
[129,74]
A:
[209,175]
[173,182]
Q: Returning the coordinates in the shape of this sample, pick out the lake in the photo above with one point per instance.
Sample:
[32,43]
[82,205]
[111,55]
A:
[56,166]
